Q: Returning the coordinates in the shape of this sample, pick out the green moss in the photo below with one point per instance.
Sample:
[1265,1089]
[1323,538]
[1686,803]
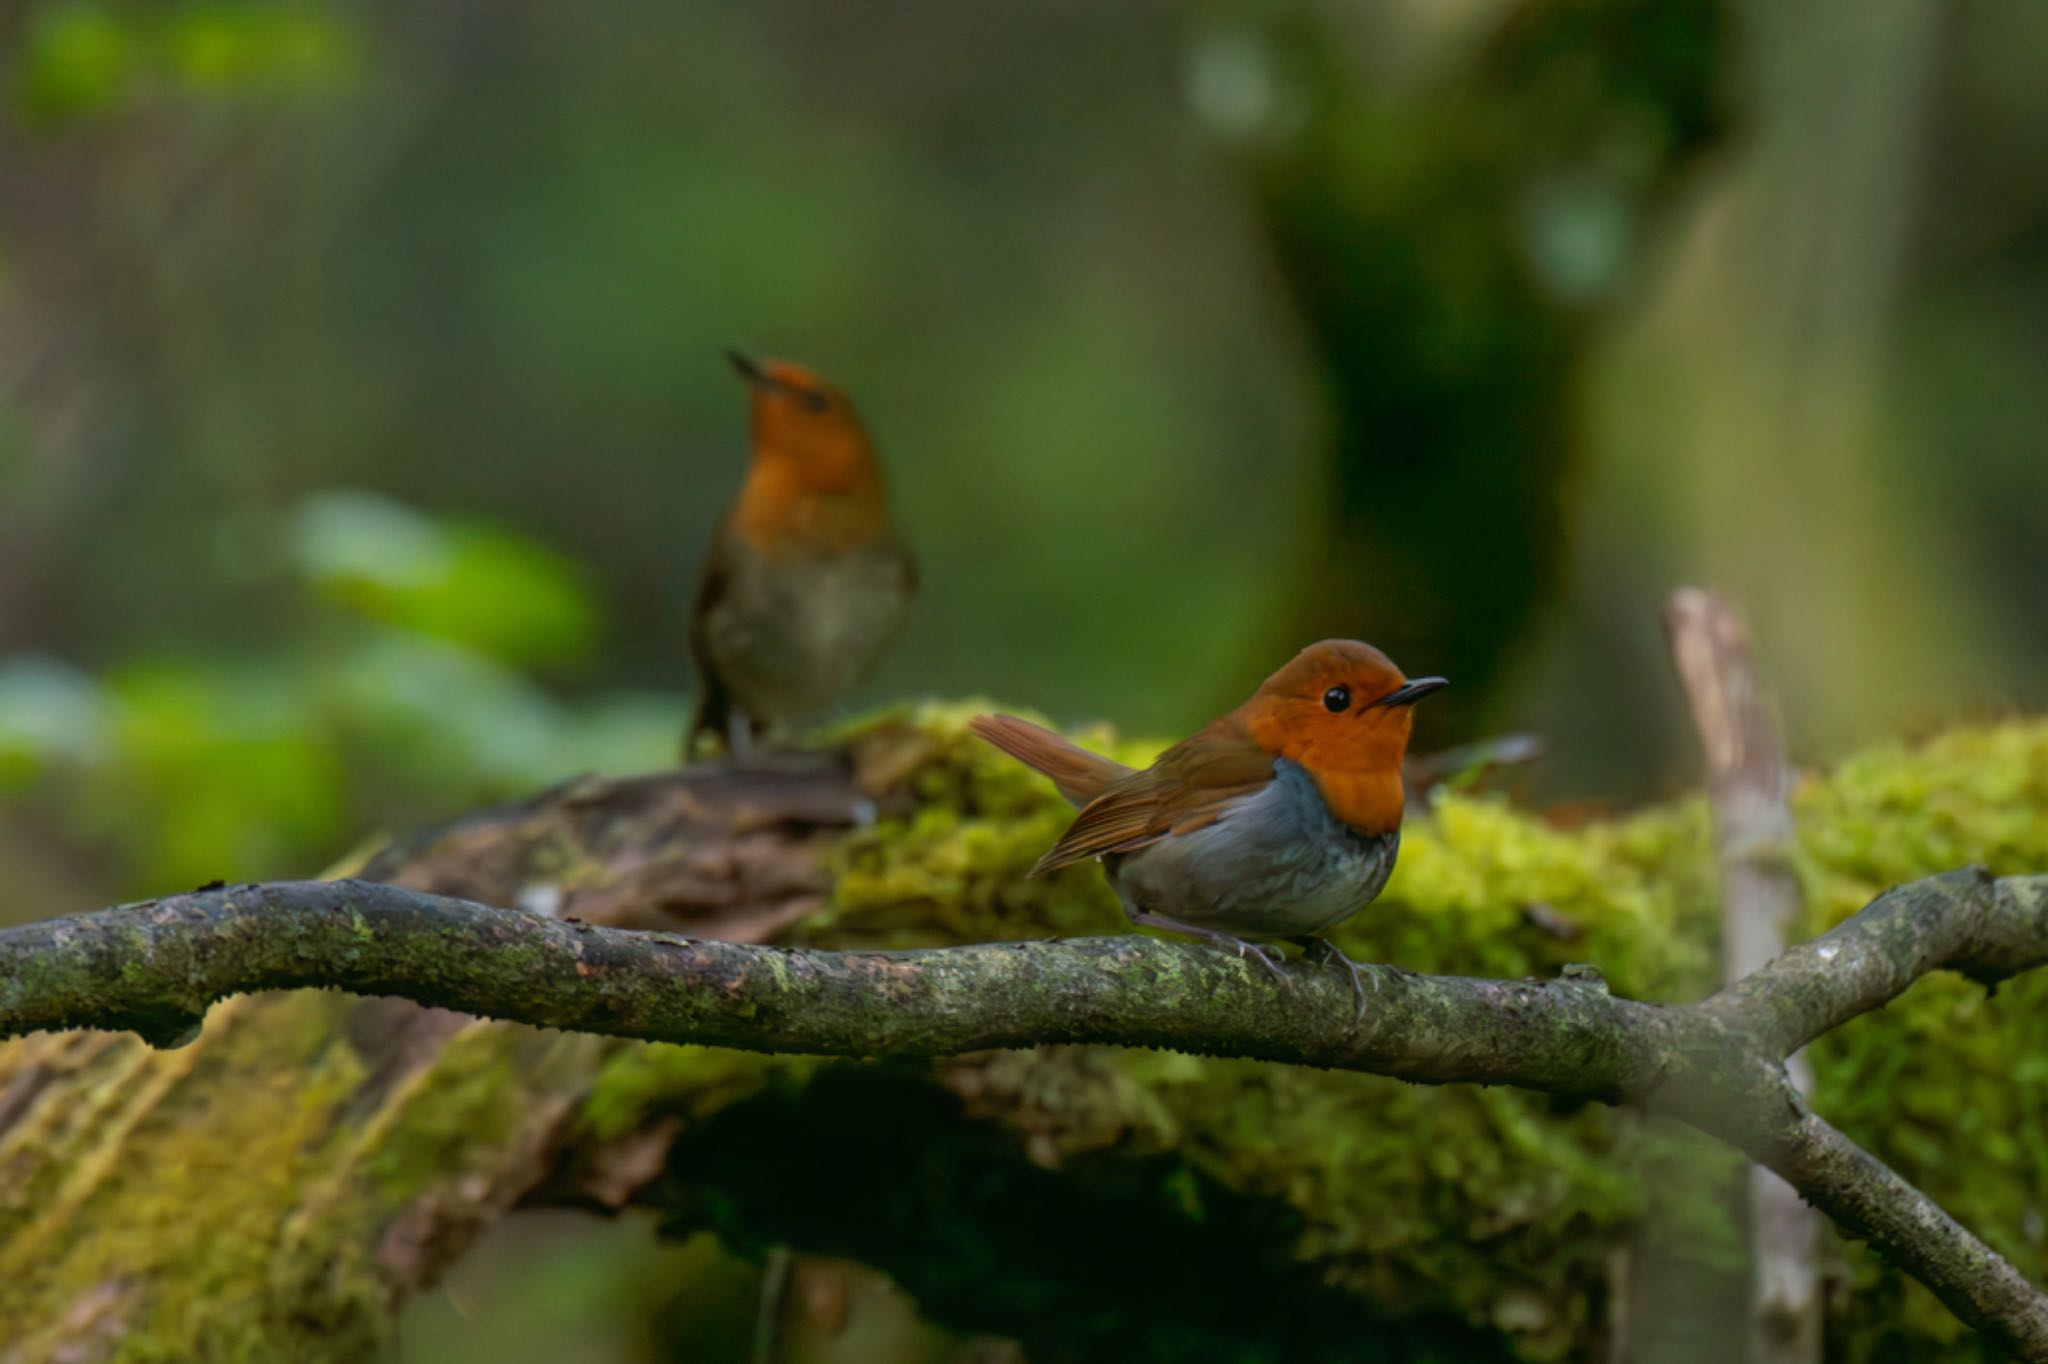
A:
[141,1185]
[648,1080]
[257,1173]
[474,1108]
[955,869]
[1949,1084]
[1117,1254]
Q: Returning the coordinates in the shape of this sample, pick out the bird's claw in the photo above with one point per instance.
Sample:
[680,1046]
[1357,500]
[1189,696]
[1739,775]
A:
[1265,956]
[1324,952]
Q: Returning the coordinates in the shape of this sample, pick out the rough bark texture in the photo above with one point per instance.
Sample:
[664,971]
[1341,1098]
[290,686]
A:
[1817,986]
[153,968]
[274,1188]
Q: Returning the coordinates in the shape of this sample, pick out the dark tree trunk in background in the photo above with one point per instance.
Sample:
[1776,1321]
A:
[1453,240]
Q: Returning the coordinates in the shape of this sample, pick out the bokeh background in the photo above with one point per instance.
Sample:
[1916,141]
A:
[362,415]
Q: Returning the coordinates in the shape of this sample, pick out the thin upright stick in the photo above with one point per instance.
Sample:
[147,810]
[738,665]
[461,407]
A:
[1749,785]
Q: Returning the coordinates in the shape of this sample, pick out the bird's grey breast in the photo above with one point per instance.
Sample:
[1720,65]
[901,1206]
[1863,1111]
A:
[791,635]
[1275,864]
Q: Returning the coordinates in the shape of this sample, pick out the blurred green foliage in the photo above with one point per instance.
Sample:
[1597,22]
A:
[399,696]
[488,591]
[83,59]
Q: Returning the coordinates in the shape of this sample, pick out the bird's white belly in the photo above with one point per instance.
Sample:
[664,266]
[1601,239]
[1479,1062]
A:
[1275,865]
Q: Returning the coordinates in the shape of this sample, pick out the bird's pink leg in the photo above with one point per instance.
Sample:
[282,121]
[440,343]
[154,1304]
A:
[1266,956]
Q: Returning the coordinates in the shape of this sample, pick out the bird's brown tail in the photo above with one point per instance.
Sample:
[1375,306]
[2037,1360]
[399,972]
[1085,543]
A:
[1080,775]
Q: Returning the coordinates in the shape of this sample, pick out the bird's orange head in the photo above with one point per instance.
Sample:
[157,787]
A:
[814,471]
[1341,709]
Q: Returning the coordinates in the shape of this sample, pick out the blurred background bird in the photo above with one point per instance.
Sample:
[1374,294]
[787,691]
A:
[1278,821]
[806,582]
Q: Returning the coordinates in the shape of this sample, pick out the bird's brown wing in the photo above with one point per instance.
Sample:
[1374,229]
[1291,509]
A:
[713,713]
[1188,788]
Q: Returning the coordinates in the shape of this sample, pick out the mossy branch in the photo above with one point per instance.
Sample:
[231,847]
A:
[155,967]
[1986,931]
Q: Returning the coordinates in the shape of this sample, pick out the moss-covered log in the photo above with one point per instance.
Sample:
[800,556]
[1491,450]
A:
[274,1187]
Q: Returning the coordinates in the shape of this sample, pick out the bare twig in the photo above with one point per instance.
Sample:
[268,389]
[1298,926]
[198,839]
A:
[155,967]
[1470,761]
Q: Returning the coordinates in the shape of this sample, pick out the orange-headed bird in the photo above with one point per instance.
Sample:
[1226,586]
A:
[807,582]
[1278,821]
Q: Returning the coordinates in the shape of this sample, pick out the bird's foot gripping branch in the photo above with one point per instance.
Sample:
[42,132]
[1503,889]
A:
[1717,1065]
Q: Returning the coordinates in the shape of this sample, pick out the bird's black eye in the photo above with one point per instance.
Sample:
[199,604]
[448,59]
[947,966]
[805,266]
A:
[814,400]
[1337,700]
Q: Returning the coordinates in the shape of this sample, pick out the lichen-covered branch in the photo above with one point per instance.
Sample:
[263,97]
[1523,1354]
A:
[156,966]
[1868,1199]
[1986,930]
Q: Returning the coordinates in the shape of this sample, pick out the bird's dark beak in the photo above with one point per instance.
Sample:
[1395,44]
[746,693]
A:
[749,368]
[1412,691]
